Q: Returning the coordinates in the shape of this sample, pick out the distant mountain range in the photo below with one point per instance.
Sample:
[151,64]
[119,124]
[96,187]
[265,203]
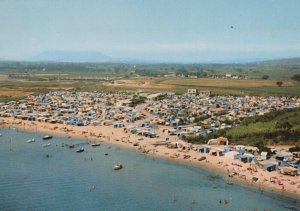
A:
[98,57]
[276,62]
[70,56]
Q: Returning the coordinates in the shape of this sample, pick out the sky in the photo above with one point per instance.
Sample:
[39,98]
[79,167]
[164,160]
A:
[158,30]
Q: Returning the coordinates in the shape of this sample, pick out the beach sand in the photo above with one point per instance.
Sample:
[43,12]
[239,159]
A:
[267,181]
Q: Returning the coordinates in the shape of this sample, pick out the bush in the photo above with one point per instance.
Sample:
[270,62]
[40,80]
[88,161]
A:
[200,118]
[196,139]
[137,100]
[296,77]
[283,125]
[262,148]
[295,149]
[265,77]
[279,83]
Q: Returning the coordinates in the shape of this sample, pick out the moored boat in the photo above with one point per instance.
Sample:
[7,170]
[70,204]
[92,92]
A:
[117,166]
[47,137]
[71,145]
[30,140]
[46,145]
[95,144]
[80,150]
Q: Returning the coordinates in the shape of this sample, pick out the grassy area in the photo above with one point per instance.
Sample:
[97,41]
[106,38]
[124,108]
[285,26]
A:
[12,89]
[216,86]
[278,127]
[19,79]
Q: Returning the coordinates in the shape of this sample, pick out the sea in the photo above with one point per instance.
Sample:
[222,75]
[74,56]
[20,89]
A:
[34,177]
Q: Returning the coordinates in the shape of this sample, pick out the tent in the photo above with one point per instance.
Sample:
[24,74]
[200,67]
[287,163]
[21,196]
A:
[247,158]
[289,171]
[282,163]
[218,141]
[231,154]
[270,166]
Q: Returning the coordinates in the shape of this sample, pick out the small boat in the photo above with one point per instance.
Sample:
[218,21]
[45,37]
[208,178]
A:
[95,144]
[47,137]
[71,145]
[201,158]
[46,145]
[0,134]
[80,150]
[30,140]
[117,166]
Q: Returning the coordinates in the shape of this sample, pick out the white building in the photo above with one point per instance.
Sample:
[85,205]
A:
[192,91]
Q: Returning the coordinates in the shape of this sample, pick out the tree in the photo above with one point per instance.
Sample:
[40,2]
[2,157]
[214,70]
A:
[279,83]
[262,148]
[183,72]
[296,77]
[265,77]
[239,70]
[117,70]
[294,149]
[283,125]
[137,100]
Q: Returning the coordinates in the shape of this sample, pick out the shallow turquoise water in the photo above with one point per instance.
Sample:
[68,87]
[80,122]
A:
[73,181]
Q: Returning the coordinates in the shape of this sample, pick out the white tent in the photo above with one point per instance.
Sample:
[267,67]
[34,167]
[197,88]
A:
[231,154]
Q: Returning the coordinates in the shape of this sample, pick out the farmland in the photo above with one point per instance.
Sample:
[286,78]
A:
[19,79]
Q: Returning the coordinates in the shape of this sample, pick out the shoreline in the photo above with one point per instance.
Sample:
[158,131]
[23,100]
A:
[219,165]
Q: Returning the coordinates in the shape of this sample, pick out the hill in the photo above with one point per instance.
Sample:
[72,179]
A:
[70,56]
[277,127]
[281,62]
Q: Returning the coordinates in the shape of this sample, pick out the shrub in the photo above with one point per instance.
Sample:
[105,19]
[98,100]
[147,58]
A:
[296,77]
[285,125]
[295,149]
[265,77]
[279,83]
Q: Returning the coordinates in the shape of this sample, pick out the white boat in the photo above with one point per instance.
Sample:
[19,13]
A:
[30,140]
[80,150]
[117,166]
[46,137]
[0,134]
[46,145]
[95,144]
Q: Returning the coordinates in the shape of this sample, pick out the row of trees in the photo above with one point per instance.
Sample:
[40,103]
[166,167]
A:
[199,73]
[295,77]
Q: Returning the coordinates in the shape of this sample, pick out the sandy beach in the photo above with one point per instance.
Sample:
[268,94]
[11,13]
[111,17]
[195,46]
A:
[241,172]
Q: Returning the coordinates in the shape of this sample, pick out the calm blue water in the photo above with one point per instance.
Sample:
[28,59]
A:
[73,181]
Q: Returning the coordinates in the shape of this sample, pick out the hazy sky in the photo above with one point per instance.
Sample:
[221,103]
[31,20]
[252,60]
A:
[166,30]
